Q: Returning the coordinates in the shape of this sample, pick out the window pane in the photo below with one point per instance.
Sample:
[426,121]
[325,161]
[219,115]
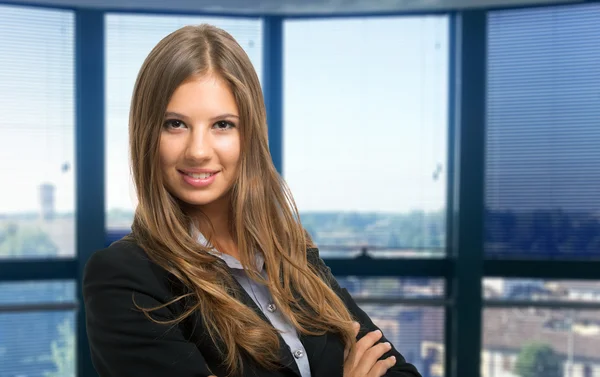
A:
[416,332]
[37,343]
[37,134]
[541,290]
[543,159]
[129,39]
[392,287]
[35,292]
[366,132]
[534,342]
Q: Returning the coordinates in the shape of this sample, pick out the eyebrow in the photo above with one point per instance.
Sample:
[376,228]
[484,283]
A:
[172,114]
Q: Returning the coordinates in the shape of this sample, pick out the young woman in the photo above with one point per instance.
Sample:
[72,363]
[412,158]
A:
[217,277]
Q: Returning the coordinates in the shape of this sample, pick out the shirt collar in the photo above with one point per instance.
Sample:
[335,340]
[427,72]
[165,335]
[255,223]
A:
[228,259]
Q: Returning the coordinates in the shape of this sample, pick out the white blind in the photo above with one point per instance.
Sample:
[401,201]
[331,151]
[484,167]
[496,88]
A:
[36,132]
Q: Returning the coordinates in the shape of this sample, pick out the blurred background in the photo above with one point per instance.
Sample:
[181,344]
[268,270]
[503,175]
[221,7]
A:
[444,155]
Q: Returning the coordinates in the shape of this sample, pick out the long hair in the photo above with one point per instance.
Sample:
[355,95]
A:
[263,214]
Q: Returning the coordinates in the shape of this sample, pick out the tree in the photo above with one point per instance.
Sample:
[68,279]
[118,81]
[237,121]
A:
[538,360]
[23,240]
[63,351]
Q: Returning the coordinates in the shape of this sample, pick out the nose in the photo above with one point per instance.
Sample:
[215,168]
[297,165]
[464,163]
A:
[199,146]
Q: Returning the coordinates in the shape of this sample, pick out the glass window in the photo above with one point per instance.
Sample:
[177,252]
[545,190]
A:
[541,290]
[129,39]
[543,160]
[416,331]
[35,292]
[365,132]
[37,329]
[393,287]
[37,133]
[540,342]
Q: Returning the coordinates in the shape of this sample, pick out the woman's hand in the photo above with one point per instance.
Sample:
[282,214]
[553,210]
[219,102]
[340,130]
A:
[363,359]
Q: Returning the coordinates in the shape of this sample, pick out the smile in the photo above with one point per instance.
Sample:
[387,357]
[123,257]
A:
[198,180]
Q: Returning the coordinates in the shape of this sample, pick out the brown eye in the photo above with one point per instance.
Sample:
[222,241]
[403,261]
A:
[223,125]
[173,124]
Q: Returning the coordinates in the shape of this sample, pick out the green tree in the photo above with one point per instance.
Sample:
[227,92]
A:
[63,351]
[538,360]
[19,240]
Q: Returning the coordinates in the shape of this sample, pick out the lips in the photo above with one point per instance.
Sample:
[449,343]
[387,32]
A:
[199,178]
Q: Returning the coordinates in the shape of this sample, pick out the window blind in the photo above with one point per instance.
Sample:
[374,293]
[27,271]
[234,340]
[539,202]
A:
[542,185]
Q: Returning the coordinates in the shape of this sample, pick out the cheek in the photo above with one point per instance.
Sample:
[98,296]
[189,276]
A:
[167,152]
[229,150]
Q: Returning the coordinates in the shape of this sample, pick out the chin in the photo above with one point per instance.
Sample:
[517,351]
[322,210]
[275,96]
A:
[202,198]
[198,201]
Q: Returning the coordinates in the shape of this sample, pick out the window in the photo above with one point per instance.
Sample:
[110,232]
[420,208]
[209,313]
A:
[129,39]
[535,333]
[506,363]
[365,132]
[37,329]
[541,339]
[541,185]
[37,144]
[417,332]
[542,165]
[541,290]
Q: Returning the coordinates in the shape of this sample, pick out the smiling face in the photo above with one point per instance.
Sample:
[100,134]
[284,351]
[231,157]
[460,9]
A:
[200,142]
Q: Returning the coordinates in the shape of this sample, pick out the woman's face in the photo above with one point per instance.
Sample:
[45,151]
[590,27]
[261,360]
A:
[200,142]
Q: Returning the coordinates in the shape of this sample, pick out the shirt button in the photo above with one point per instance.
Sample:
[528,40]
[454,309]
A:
[298,354]
[271,308]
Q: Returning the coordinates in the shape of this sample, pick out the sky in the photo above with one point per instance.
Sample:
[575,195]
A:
[365,107]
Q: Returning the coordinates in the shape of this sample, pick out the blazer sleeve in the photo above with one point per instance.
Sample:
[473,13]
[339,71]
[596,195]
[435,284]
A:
[123,342]
[402,368]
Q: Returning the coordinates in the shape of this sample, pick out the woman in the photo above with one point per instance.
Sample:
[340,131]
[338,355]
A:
[217,276]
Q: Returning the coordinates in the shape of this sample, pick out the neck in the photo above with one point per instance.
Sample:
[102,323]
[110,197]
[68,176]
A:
[214,224]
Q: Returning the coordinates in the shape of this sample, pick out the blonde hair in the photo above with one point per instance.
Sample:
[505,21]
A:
[264,216]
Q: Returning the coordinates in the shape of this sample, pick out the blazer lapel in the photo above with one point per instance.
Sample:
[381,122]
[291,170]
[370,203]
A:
[314,346]
[285,355]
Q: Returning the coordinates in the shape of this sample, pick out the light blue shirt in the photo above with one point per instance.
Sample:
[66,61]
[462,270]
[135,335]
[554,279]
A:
[262,297]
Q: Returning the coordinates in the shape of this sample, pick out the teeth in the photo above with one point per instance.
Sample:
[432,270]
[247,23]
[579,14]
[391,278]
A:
[199,176]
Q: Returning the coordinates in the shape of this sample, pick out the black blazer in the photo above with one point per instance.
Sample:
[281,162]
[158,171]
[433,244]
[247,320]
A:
[124,343]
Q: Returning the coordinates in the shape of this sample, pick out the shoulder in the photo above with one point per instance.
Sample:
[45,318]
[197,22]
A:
[124,254]
[123,264]
[313,258]
[312,255]
[125,250]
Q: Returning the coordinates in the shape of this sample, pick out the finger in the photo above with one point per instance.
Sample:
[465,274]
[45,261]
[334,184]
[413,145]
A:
[370,357]
[365,343]
[382,366]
